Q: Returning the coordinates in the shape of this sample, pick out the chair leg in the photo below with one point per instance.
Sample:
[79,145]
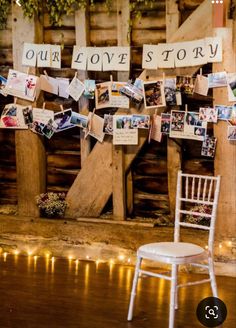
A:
[133,292]
[172,296]
[212,277]
[176,289]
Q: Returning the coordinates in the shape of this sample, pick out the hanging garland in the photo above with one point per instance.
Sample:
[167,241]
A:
[57,8]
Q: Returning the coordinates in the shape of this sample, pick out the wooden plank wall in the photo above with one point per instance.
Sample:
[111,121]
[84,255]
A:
[149,170]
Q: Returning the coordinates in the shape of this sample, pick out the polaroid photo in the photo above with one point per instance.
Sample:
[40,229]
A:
[224,112]
[208,114]
[216,80]
[89,89]
[75,88]
[170,91]
[155,131]
[132,92]
[63,84]
[177,123]
[208,146]
[12,117]
[48,129]
[123,133]
[42,115]
[49,84]
[154,94]
[231,133]
[232,119]
[185,84]
[140,121]
[79,120]
[102,95]
[116,97]
[95,127]
[165,123]
[201,85]
[21,85]
[62,120]
[108,124]
[28,115]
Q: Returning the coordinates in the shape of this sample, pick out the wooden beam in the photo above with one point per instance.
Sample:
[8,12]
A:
[118,166]
[82,39]
[30,152]
[172,18]
[225,158]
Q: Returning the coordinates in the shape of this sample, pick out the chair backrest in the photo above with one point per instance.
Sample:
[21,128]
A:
[196,203]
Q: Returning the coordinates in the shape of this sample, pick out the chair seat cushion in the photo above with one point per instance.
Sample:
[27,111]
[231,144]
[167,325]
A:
[171,249]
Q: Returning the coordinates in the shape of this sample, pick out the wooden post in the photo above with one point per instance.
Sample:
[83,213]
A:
[118,173]
[30,152]
[225,164]
[172,18]
[82,39]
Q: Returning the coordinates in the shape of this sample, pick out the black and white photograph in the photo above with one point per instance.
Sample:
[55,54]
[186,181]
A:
[208,146]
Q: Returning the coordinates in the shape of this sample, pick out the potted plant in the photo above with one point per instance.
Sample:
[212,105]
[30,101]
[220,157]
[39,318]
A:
[51,204]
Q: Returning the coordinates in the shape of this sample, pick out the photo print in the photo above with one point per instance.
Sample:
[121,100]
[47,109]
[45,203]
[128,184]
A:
[63,84]
[208,146]
[28,115]
[62,120]
[102,95]
[170,91]
[48,129]
[201,85]
[12,117]
[79,120]
[37,127]
[165,123]
[140,121]
[216,80]
[231,133]
[95,127]
[41,118]
[187,125]
[185,84]
[49,84]
[75,88]
[232,119]
[3,82]
[154,94]
[21,85]
[108,124]
[132,92]
[117,99]
[89,89]
[208,114]
[224,112]
[123,133]
[155,131]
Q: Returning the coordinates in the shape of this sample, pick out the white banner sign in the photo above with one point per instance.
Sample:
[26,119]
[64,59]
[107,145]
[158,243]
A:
[182,54]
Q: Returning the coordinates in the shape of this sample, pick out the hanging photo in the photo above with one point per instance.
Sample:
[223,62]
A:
[123,133]
[208,146]
[201,85]
[12,117]
[79,120]
[48,129]
[232,119]
[231,80]
[21,85]
[208,114]
[62,120]
[116,98]
[224,112]
[108,124]
[216,80]
[165,123]
[28,115]
[187,125]
[185,84]
[231,133]
[132,92]
[95,127]
[89,89]
[41,117]
[49,84]
[140,121]
[102,95]
[3,83]
[155,132]
[154,94]
[63,84]
[75,88]
[37,127]
[170,91]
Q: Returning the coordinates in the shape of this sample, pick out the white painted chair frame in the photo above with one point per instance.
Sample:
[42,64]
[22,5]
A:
[199,189]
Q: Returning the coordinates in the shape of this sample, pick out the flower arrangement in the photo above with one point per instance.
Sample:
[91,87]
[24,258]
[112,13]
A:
[201,220]
[51,204]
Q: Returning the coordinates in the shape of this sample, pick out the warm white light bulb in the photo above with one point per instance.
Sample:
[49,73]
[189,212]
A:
[121,257]
[16,252]
[229,243]
[220,245]
[30,253]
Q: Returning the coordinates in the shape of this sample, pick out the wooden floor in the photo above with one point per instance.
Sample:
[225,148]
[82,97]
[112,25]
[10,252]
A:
[40,293]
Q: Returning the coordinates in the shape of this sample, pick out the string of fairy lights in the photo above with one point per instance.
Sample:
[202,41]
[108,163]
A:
[223,248]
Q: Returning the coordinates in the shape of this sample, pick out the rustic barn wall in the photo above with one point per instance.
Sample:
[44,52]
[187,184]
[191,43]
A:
[149,170]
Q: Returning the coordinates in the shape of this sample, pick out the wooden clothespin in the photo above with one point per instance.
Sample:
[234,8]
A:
[163,76]
[200,71]
[62,108]
[15,100]
[186,108]
[111,78]
[45,73]
[44,104]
